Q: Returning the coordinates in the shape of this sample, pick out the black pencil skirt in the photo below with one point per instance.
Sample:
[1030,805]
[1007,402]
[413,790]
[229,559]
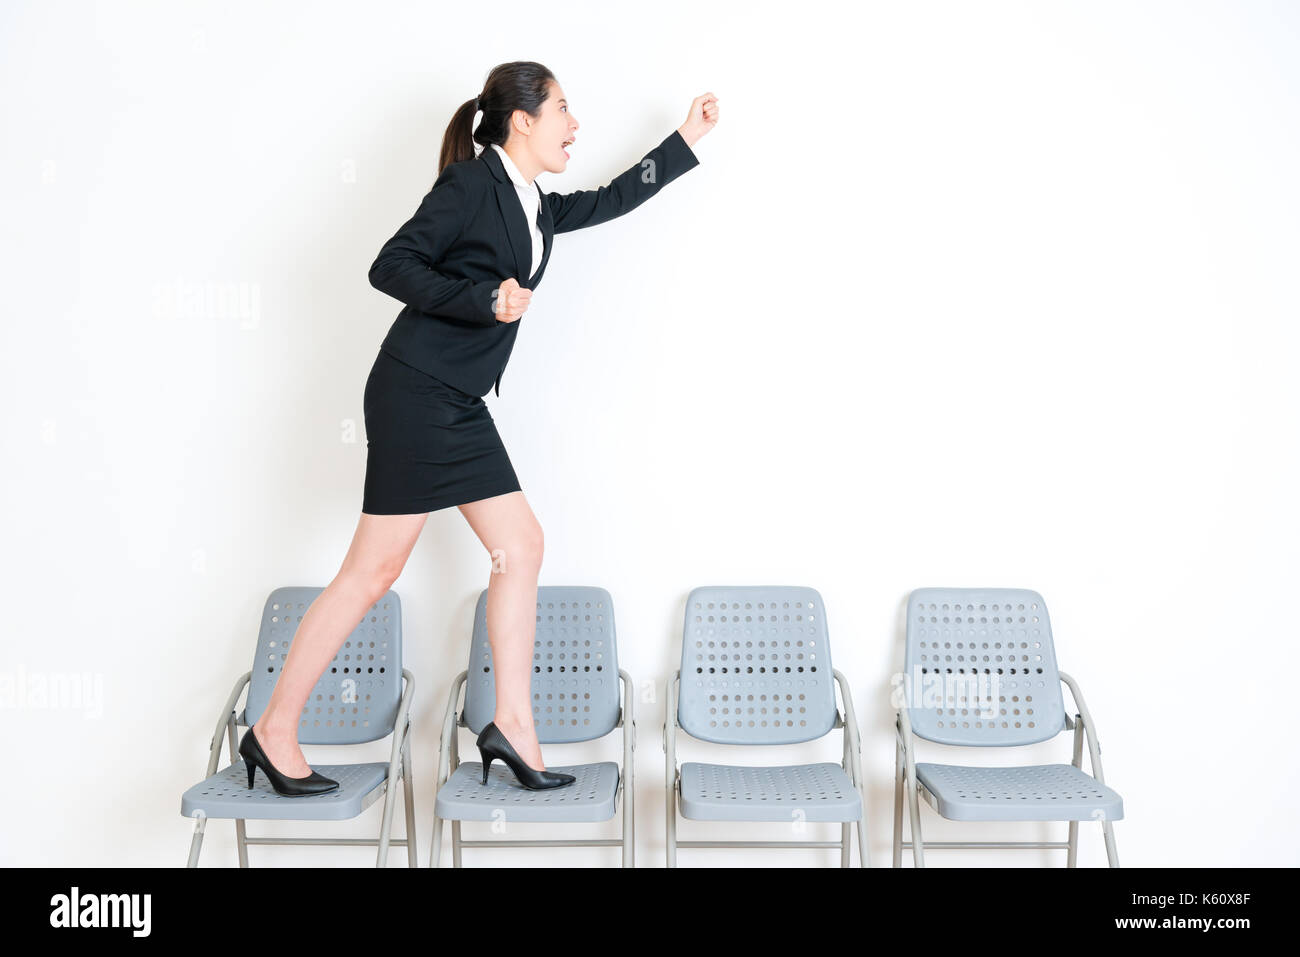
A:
[428,444]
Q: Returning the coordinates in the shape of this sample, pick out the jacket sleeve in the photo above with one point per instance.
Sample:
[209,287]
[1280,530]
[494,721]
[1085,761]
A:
[406,265]
[591,207]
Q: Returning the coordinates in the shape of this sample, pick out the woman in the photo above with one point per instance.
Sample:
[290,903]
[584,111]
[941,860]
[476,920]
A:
[465,266]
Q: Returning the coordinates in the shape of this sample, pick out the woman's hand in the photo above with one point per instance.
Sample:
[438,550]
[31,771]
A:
[702,118]
[511,301]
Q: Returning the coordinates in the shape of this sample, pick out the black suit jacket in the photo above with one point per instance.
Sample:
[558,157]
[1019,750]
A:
[469,235]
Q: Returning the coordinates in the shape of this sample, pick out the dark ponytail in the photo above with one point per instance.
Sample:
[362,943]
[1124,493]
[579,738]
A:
[519,85]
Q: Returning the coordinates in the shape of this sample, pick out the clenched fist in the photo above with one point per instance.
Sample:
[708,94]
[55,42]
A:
[510,301]
[702,117]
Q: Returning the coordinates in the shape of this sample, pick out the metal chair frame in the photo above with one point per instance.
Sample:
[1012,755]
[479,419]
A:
[905,781]
[399,766]
[449,761]
[851,763]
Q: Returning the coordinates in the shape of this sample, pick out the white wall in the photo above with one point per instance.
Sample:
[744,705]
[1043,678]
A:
[960,294]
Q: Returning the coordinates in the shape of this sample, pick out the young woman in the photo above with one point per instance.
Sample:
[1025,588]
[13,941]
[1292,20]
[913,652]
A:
[465,266]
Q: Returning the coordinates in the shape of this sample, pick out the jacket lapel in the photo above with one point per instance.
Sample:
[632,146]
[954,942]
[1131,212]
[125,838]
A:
[512,214]
[516,227]
[548,230]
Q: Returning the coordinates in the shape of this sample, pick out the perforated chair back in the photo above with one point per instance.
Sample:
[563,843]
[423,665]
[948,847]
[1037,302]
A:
[575,666]
[756,665]
[357,698]
[980,668]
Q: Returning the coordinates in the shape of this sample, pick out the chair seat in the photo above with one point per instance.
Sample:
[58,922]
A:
[1041,792]
[592,797]
[723,792]
[226,794]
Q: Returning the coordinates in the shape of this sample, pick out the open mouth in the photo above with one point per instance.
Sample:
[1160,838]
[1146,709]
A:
[568,142]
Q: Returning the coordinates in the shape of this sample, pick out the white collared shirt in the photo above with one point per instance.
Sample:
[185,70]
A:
[530,198]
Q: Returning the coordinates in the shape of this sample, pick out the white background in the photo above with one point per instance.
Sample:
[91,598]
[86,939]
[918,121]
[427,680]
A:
[989,294]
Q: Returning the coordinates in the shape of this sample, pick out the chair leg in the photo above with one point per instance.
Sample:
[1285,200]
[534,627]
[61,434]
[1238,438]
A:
[670,845]
[1072,852]
[455,844]
[898,805]
[241,841]
[1108,831]
[846,853]
[918,845]
[435,850]
[196,843]
[864,853]
[386,824]
[408,804]
[629,824]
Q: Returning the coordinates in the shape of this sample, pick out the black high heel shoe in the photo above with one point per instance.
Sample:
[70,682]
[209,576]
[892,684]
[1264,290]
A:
[493,744]
[283,785]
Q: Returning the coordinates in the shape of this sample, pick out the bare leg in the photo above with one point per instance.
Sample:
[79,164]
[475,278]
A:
[380,548]
[509,530]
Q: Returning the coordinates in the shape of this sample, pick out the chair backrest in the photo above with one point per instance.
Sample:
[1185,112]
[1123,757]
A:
[756,665]
[980,668]
[357,697]
[575,666]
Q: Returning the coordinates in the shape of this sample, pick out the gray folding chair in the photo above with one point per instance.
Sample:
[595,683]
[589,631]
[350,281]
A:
[981,672]
[358,699]
[575,687]
[756,670]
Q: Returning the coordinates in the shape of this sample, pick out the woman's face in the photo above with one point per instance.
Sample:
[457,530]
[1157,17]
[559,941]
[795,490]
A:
[551,131]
